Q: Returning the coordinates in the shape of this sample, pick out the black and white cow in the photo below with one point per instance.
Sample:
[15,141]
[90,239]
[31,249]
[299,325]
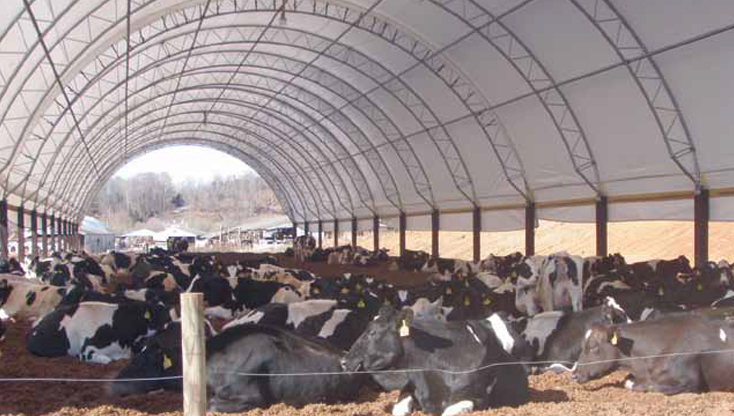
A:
[608,347]
[303,247]
[395,341]
[556,336]
[159,363]
[547,283]
[248,349]
[23,299]
[97,332]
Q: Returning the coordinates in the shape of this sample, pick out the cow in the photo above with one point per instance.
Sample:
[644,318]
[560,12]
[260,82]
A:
[676,354]
[556,336]
[22,299]
[11,266]
[97,332]
[303,248]
[547,283]
[449,351]
[159,362]
[237,352]
[502,266]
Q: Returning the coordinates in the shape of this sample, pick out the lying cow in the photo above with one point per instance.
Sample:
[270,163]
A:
[22,299]
[97,332]
[395,341]
[248,349]
[159,362]
[674,355]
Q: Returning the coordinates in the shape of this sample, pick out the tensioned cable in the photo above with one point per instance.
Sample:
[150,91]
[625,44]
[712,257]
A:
[395,371]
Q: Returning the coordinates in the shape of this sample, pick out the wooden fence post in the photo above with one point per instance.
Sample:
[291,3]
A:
[193,350]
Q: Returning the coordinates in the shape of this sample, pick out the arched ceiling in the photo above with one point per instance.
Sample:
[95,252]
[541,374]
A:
[359,108]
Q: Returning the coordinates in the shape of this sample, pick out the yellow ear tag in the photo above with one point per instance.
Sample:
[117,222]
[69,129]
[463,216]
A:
[514,274]
[345,290]
[614,339]
[316,290]
[487,301]
[449,291]
[404,330]
[467,302]
[699,287]
[358,286]
[361,304]
[661,292]
[147,315]
[167,362]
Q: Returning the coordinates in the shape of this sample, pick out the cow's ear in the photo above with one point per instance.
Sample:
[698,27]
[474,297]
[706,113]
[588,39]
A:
[438,302]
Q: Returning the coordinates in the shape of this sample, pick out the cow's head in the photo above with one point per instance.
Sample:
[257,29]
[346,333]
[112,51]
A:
[379,347]
[287,294]
[153,362]
[602,347]
[526,296]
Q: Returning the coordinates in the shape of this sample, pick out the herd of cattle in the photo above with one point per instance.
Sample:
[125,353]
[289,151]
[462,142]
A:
[465,339]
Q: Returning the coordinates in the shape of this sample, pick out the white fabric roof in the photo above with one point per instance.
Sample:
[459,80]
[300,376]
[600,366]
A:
[355,108]
[91,225]
[140,233]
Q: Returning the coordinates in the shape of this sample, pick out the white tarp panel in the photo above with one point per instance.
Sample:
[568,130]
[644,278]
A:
[350,107]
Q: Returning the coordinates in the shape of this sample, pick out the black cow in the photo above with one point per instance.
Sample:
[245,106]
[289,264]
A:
[270,351]
[160,361]
[697,368]
[97,332]
[11,266]
[395,341]
[556,336]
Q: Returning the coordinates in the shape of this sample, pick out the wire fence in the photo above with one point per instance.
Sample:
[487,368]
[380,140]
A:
[391,371]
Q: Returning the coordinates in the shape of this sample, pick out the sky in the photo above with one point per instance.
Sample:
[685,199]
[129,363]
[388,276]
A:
[186,162]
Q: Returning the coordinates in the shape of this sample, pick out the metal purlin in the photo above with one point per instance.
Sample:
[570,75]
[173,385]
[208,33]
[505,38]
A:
[231,141]
[238,153]
[604,16]
[235,142]
[263,130]
[537,77]
[264,122]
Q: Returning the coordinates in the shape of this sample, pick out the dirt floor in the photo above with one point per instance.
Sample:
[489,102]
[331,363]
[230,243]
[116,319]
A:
[550,394]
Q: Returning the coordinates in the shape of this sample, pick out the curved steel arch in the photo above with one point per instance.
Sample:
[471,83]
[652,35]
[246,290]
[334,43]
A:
[523,60]
[284,175]
[110,143]
[284,155]
[188,134]
[423,186]
[265,174]
[606,19]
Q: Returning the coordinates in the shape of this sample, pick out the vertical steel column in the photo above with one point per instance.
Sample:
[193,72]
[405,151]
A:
[67,241]
[336,232]
[306,229]
[58,233]
[375,233]
[34,233]
[321,233]
[530,229]
[701,227]
[53,233]
[402,226]
[435,225]
[4,228]
[477,233]
[354,232]
[602,219]
[21,234]
[44,236]
[294,230]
